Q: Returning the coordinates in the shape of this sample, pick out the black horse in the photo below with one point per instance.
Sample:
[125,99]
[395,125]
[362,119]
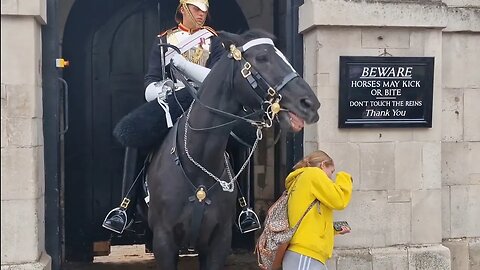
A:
[254,79]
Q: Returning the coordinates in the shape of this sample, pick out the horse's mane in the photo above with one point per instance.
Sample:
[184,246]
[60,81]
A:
[228,38]
[257,33]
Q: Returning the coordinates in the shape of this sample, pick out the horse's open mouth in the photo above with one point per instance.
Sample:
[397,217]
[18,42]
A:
[296,123]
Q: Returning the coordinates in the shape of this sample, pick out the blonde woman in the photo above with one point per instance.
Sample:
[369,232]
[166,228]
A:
[312,243]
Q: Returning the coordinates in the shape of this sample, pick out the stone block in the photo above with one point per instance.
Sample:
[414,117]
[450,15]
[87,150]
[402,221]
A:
[465,206]
[390,258]
[327,126]
[9,7]
[472,114]
[20,230]
[3,91]
[458,252]
[346,157]
[462,3]
[399,196]
[408,165]
[4,109]
[459,163]
[345,13]
[21,54]
[463,19]
[474,253]
[432,38]
[426,216]
[36,8]
[433,134]
[367,215]
[24,101]
[431,166]
[45,263]
[25,132]
[471,162]
[429,257]
[446,215]
[309,146]
[4,141]
[310,137]
[383,37]
[397,225]
[332,42]
[460,54]
[381,135]
[377,166]
[452,115]
[359,259]
[22,171]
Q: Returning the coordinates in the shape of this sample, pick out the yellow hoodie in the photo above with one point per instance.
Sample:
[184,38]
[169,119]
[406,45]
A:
[314,236]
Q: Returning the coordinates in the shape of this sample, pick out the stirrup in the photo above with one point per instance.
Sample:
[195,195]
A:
[248,221]
[120,211]
[189,252]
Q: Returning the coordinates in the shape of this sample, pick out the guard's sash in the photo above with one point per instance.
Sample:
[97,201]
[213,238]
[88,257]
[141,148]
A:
[188,43]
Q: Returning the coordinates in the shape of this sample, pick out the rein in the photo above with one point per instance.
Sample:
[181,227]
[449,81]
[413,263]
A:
[265,93]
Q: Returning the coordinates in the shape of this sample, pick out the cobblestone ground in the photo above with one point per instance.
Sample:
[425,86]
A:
[135,258]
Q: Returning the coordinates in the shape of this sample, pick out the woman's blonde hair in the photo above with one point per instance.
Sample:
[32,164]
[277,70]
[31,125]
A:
[314,159]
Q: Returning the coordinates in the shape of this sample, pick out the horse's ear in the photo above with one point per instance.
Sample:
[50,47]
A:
[228,38]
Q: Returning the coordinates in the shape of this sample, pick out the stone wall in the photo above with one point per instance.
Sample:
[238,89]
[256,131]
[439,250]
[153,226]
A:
[22,173]
[461,135]
[401,207]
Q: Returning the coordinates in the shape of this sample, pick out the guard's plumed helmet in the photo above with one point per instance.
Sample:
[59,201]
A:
[201,4]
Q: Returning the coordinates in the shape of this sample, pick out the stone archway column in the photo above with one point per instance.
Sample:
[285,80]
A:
[396,207]
[22,173]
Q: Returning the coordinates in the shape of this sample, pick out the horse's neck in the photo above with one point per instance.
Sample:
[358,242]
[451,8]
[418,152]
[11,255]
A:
[208,146]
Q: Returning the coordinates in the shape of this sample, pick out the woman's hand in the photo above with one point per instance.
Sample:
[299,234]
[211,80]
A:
[344,230]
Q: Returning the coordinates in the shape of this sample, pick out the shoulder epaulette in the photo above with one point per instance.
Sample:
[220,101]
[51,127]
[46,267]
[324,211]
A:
[210,29]
[168,32]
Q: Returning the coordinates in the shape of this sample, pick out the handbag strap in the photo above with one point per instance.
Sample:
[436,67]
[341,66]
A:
[304,214]
[306,211]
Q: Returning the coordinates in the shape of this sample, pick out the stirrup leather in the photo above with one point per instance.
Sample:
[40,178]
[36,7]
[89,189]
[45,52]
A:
[248,214]
[121,211]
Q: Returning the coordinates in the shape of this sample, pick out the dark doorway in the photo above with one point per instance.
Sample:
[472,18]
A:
[107,43]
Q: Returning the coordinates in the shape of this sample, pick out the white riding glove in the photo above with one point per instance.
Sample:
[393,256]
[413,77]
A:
[158,90]
[193,71]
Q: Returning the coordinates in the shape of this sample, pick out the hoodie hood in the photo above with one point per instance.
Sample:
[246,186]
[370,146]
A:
[292,177]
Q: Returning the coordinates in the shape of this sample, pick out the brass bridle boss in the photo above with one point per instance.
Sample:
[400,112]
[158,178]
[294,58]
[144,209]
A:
[272,97]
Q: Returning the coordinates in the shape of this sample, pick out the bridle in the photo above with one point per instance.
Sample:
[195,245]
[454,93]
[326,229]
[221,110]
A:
[269,97]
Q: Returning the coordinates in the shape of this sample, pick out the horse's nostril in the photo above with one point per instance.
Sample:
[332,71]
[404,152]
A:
[306,103]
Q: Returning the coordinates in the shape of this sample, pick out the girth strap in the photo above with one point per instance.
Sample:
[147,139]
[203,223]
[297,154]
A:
[200,200]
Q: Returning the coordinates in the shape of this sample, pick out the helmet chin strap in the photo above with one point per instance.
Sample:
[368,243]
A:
[190,15]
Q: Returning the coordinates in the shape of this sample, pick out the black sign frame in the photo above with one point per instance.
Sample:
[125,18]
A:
[364,101]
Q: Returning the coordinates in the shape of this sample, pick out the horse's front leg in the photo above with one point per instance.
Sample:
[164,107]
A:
[165,250]
[219,249]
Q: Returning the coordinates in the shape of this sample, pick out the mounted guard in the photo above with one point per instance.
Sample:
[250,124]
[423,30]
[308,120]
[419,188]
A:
[199,49]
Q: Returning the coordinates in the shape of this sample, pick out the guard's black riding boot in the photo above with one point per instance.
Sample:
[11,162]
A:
[117,219]
[247,220]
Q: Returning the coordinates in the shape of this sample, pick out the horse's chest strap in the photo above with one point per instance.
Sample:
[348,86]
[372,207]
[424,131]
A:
[200,201]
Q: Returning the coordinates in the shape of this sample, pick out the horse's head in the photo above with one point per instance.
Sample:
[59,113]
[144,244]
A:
[271,83]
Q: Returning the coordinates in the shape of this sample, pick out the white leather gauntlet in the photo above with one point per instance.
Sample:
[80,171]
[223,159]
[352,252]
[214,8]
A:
[158,90]
[193,71]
